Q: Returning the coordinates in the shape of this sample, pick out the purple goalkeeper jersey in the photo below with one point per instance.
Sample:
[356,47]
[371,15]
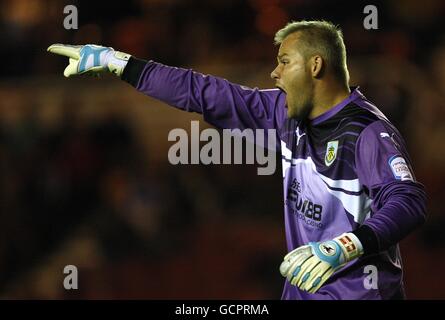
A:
[345,170]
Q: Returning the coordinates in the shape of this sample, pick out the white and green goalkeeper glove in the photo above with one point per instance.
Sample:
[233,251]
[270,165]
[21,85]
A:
[308,267]
[91,59]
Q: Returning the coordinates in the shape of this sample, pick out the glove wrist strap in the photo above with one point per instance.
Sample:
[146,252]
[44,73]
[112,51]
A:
[117,62]
[350,245]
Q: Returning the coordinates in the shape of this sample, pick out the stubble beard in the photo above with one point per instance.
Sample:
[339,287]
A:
[304,109]
[304,104]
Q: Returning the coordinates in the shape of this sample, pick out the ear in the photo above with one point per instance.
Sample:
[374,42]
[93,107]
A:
[317,65]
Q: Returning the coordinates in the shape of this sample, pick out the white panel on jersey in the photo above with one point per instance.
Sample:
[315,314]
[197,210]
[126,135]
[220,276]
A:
[287,154]
[359,206]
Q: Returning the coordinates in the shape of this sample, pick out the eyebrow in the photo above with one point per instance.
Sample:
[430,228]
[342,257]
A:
[281,55]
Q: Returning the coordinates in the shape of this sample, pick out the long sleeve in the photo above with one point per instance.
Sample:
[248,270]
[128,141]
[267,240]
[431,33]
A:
[399,201]
[222,103]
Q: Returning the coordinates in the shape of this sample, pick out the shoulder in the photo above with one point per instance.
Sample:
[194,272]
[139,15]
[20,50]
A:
[376,125]
[367,119]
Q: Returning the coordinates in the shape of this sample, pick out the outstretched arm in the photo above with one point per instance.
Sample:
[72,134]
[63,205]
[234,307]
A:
[222,103]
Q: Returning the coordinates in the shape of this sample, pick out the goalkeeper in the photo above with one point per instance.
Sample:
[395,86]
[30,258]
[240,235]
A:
[350,194]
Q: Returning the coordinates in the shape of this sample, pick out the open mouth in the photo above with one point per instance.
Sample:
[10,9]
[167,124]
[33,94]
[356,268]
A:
[279,87]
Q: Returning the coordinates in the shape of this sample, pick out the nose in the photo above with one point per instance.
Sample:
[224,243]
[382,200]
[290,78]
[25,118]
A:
[274,74]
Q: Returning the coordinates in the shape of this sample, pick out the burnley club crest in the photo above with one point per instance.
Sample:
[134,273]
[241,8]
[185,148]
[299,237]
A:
[331,152]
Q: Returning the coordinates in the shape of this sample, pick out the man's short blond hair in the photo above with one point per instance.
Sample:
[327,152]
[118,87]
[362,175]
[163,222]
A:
[319,37]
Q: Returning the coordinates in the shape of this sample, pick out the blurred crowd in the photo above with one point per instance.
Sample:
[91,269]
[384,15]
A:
[79,187]
[84,176]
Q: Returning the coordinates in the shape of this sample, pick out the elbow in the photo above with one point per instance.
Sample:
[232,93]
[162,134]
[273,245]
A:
[415,202]
[423,207]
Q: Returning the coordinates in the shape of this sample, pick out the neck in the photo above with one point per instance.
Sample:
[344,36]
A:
[328,97]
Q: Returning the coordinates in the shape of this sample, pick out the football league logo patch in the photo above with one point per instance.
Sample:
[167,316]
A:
[331,152]
[400,168]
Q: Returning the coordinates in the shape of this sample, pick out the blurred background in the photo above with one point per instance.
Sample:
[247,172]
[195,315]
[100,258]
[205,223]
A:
[84,174]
